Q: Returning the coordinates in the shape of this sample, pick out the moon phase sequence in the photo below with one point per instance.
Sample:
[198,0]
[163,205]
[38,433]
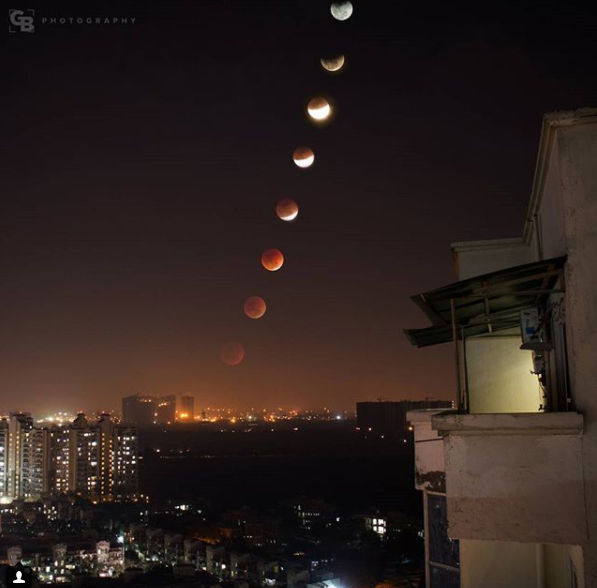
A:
[341,10]
[287,209]
[272,259]
[303,157]
[319,108]
[332,63]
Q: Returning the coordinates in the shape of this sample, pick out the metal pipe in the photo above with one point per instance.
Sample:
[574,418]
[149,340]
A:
[456,355]
[540,564]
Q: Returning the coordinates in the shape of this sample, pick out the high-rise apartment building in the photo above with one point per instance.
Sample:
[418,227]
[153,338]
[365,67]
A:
[125,470]
[138,410]
[97,460]
[59,480]
[3,459]
[165,412]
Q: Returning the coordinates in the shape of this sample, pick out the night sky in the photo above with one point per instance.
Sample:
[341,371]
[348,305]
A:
[142,164]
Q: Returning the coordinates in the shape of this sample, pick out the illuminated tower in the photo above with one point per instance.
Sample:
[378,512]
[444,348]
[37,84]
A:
[19,426]
[59,460]
[84,458]
[36,463]
[187,408]
[105,428]
[3,459]
[125,469]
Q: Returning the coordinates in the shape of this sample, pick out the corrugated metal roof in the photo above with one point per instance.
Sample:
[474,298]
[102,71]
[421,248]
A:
[487,303]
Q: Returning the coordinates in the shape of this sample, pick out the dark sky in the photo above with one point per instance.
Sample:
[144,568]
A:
[142,165]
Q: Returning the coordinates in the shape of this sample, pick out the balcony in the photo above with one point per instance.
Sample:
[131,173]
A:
[514,477]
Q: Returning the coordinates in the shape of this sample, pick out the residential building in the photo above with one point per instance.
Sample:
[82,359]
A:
[124,463]
[165,410]
[138,410]
[513,471]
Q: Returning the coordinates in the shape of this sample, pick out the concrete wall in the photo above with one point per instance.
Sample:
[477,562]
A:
[521,487]
[475,258]
[577,169]
[429,452]
[499,564]
[499,376]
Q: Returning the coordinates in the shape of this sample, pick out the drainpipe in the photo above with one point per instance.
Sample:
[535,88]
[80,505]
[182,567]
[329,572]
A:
[540,564]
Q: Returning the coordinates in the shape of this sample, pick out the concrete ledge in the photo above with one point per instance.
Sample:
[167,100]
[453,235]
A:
[541,423]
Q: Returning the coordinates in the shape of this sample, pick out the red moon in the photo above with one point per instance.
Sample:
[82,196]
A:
[287,209]
[255,307]
[232,353]
[272,259]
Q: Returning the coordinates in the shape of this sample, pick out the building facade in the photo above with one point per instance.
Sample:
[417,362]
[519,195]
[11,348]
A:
[514,469]
[97,460]
[138,410]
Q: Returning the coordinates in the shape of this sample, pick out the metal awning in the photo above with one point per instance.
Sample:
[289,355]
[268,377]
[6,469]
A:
[487,303]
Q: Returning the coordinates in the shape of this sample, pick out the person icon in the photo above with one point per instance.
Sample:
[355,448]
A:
[19,578]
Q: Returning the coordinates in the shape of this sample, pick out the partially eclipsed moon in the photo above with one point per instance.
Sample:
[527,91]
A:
[303,157]
[232,353]
[341,10]
[272,259]
[254,307]
[332,63]
[319,108]
[287,209]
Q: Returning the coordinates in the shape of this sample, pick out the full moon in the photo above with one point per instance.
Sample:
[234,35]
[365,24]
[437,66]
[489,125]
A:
[232,353]
[254,307]
[287,209]
[319,108]
[332,63]
[341,10]
[272,259]
[303,157]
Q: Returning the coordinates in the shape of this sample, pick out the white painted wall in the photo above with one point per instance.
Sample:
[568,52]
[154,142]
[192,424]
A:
[499,564]
[515,487]
[475,258]
[499,376]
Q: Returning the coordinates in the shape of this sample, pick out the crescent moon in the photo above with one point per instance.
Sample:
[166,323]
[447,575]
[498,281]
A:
[319,109]
[341,10]
[287,209]
[333,63]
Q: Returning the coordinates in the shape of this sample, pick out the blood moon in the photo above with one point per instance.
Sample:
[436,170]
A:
[287,209]
[303,157]
[254,307]
[272,259]
[232,353]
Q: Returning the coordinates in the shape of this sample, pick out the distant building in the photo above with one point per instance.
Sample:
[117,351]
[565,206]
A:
[138,410]
[165,410]
[389,417]
[97,460]
[187,408]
